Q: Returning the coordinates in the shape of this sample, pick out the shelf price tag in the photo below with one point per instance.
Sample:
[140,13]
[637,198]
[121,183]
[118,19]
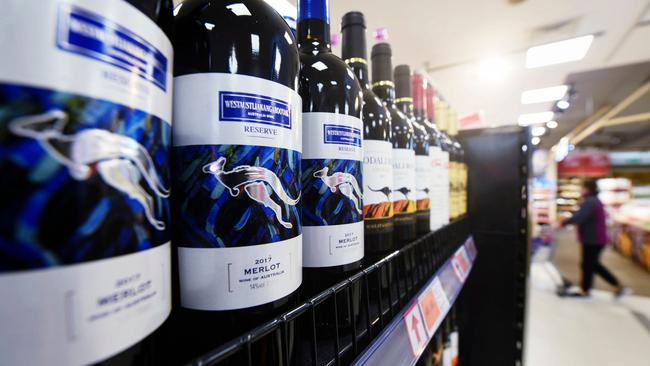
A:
[440,295]
[430,310]
[415,329]
[461,264]
[471,248]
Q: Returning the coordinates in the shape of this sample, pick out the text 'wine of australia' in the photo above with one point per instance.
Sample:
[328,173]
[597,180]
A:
[332,199]
[403,194]
[236,161]
[85,112]
[377,148]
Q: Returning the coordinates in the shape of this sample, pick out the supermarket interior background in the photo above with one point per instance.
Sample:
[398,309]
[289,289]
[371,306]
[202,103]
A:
[589,98]
[325,182]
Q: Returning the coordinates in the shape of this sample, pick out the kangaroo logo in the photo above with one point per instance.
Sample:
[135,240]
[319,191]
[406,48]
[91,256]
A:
[405,191]
[425,190]
[384,190]
[119,160]
[342,182]
[253,179]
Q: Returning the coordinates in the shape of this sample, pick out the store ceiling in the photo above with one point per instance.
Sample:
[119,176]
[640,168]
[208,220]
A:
[450,38]
[606,87]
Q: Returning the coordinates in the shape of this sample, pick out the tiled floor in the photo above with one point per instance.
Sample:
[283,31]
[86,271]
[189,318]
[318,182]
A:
[576,332]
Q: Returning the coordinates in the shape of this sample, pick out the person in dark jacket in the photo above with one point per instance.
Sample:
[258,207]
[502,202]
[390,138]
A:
[592,233]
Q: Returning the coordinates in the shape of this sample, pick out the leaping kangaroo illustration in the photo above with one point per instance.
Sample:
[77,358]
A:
[385,190]
[119,160]
[403,190]
[345,183]
[425,190]
[253,180]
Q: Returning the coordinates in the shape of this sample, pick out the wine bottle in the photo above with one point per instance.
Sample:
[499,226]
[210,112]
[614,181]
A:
[442,117]
[453,337]
[439,178]
[377,148]
[426,142]
[402,138]
[447,353]
[237,187]
[85,101]
[332,207]
[454,165]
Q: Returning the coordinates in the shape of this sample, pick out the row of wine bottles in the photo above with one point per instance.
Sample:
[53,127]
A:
[443,348]
[283,165]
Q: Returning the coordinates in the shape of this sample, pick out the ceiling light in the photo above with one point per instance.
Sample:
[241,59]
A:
[573,49]
[534,118]
[492,69]
[551,124]
[544,94]
[563,104]
[538,131]
[535,140]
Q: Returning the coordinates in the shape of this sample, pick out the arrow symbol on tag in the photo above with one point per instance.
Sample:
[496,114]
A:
[414,326]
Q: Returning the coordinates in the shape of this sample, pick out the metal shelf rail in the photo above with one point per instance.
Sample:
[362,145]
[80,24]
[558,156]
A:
[352,321]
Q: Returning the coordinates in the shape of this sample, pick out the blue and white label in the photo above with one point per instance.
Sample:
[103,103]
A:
[332,136]
[342,135]
[254,108]
[91,35]
[259,113]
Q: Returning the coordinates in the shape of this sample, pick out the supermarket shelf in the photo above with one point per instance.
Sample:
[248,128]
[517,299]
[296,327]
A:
[385,291]
[416,324]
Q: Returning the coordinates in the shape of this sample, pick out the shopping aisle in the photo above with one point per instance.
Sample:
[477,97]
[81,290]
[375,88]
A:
[575,332]
[566,258]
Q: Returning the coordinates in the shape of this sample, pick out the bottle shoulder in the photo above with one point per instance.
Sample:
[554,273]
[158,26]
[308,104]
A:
[239,37]
[327,84]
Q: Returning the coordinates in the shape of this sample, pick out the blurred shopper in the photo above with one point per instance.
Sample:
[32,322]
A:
[592,233]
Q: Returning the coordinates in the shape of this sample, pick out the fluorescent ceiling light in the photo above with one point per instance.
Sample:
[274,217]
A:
[563,104]
[538,131]
[492,69]
[544,94]
[535,140]
[535,118]
[551,124]
[573,49]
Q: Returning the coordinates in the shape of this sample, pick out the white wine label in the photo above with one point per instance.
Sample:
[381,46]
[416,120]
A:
[404,181]
[83,313]
[237,161]
[447,357]
[453,340]
[85,95]
[423,182]
[336,245]
[332,196]
[446,191]
[105,50]
[332,136]
[228,109]
[439,189]
[377,179]
[239,277]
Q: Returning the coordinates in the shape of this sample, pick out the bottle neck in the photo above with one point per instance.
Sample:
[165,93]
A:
[313,25]
[360,68]
[385,90]
[405,104]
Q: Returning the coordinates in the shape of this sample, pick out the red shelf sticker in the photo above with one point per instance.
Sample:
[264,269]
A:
[430,310]
[415,329]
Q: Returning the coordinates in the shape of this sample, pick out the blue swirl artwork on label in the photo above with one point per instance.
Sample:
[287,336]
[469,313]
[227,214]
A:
[331,190]
[231,196]
[91,35]
[84,179]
